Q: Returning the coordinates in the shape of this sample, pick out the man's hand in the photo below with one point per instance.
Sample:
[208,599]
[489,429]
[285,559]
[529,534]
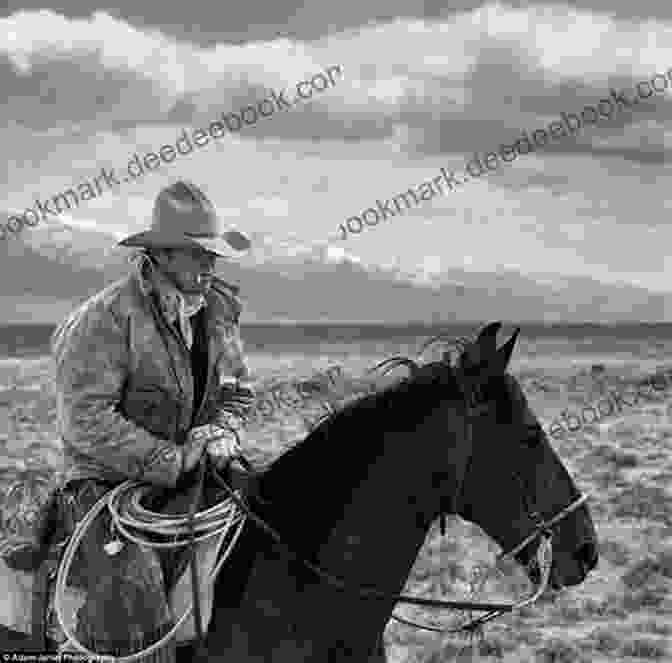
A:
[238,401]
[221,443]
[225,448]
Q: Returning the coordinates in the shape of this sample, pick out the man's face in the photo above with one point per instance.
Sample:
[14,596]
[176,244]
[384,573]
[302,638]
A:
[191,270]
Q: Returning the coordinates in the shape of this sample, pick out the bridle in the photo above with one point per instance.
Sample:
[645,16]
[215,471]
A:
[543,528]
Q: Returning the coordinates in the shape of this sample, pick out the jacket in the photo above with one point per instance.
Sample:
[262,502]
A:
[124,383]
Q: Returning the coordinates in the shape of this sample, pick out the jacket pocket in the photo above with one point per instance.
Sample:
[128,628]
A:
[152,408]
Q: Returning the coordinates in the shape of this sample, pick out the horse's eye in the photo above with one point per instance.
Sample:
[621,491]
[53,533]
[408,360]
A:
[532,436]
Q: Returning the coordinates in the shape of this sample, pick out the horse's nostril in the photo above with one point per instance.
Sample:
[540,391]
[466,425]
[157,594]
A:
[588,555]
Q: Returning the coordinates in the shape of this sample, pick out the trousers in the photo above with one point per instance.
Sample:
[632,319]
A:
[125,607]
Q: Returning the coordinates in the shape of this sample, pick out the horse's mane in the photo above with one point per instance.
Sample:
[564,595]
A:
[324,469]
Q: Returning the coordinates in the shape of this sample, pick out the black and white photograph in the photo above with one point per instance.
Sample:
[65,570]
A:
[335,331]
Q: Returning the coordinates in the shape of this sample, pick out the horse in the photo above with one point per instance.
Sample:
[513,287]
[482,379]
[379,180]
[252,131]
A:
[354,502]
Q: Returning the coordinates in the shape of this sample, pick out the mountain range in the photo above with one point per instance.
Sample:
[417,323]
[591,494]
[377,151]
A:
[46,270]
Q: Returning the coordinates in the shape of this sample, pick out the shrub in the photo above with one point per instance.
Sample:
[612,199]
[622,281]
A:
[645,648]
[559,651]
[642,501]
[615,456]
[647,569]
[645,597]
[615,552]
[655,627]
[664,562]
[604,641]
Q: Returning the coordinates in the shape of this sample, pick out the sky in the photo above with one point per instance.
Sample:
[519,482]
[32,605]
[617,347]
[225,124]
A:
[420,87]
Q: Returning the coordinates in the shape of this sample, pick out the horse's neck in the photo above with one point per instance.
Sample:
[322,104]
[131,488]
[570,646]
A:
[378,497]
[379,536]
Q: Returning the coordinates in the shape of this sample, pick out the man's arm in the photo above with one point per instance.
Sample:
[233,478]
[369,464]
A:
[91,358]
[235,396]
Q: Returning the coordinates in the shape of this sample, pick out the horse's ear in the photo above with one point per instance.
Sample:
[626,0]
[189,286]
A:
[484,348]
[487,339]
[492,365]
[490,331]
[504,353]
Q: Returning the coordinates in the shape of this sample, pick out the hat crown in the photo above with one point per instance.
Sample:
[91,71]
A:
[183,208]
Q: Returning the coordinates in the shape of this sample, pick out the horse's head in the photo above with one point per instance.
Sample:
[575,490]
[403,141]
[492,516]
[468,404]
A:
[514,478]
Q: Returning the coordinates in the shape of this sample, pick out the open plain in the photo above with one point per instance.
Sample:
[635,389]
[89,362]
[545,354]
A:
[623,612]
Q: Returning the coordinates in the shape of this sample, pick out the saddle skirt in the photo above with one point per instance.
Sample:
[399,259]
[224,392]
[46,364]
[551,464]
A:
[17,588]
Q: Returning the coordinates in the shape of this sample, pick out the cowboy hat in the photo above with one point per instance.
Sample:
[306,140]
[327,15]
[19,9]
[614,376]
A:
[184,217]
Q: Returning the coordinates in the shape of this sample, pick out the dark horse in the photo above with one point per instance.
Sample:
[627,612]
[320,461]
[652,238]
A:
[359,494]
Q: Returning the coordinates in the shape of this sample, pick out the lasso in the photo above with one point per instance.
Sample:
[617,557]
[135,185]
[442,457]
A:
[130,518]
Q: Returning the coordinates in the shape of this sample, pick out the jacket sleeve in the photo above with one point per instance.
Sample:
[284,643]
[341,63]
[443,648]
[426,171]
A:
[235,396]
[235,399]
[234,408]
[91,358]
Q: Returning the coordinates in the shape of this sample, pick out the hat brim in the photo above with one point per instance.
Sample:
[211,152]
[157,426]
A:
[231,244]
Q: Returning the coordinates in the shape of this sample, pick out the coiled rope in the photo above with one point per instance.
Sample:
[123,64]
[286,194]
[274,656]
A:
[132,519]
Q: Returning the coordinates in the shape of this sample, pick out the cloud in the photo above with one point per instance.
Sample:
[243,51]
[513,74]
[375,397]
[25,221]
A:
[522,76]
[512,48]
[416,95]
[99,71]
[460,83]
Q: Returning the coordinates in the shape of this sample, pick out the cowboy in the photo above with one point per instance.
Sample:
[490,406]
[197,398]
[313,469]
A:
[149,373]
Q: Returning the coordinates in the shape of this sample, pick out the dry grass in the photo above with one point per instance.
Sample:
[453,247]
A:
[623,612]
